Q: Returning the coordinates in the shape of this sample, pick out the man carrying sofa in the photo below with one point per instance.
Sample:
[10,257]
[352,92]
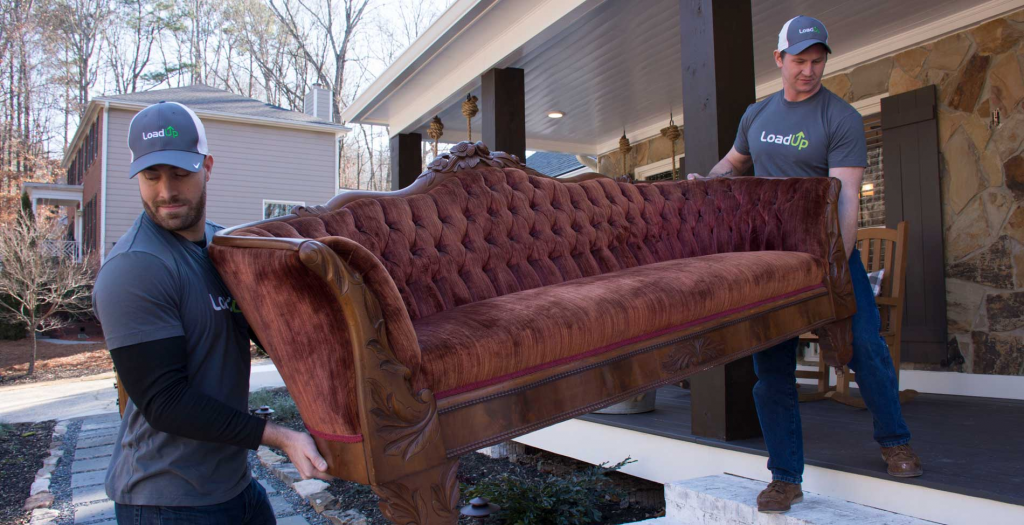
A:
[807,131]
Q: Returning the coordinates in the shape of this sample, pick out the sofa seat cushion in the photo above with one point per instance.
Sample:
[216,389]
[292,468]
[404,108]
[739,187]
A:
[512,335]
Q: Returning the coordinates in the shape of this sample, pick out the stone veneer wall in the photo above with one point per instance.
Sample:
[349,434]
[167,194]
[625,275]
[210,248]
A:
[977,71]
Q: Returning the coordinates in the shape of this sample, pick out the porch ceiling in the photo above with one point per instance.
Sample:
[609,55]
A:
[610,64]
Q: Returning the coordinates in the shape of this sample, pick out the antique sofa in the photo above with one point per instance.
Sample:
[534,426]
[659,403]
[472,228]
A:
[486,301]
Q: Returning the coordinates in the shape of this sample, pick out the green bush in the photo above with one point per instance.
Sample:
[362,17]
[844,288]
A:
[282,403]
[571,500]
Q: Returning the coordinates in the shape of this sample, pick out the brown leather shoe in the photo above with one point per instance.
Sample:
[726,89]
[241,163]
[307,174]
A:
[902,461]
[779,496]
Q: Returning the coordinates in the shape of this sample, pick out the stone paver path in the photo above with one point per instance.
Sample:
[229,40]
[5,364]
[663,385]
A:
[92,456]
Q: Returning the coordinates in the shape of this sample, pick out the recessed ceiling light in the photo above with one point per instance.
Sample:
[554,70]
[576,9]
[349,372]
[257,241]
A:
[555,114]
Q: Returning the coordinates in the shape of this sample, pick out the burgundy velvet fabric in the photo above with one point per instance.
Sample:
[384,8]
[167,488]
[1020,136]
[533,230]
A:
[487,232]
[299,322]
[499,338]
[493,271]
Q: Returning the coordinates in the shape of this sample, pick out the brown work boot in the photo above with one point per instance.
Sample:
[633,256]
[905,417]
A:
[779,496]
[902,461]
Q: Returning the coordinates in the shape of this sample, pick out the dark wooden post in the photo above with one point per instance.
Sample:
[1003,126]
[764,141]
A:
[718,84]
[406,159]
[503,104]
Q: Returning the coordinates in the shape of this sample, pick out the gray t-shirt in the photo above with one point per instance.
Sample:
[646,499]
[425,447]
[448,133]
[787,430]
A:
[802,139]
[154,285]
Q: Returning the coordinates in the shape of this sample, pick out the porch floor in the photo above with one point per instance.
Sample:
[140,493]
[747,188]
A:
[969,445]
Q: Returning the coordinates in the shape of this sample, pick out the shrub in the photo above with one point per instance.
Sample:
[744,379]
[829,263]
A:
[282,403]
[571,500]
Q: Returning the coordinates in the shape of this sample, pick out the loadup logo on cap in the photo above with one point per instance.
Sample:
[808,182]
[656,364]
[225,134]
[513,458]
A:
[809,30]
[796,140]
[166,132]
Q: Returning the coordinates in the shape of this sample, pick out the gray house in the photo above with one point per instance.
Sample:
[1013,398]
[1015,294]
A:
[268,159]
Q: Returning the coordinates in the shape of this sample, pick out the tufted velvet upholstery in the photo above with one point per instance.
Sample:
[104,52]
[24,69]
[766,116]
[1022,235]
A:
[494,271]
[490,232]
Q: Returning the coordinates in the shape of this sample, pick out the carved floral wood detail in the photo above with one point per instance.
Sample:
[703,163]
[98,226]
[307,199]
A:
[691,354]
[404,505]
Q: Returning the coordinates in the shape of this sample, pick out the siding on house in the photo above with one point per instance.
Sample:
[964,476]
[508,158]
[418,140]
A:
[252,162]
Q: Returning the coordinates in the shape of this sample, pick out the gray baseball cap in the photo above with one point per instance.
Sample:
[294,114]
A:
[802,32]
[167,133]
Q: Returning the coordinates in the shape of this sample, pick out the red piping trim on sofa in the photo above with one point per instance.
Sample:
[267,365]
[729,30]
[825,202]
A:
[613,346]
[357,438]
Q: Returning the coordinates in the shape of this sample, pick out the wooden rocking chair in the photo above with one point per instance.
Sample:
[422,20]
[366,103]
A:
[879,248]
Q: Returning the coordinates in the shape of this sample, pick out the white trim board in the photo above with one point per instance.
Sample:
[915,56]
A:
[244,119]
[950,383]
[103,182]
[664,460]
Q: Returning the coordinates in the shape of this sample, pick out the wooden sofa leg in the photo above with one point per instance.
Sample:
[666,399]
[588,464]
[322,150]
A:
[836,340]
[429,497]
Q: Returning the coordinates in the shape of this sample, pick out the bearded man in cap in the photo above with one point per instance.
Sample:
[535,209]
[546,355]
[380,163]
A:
[807,131]
[181,348]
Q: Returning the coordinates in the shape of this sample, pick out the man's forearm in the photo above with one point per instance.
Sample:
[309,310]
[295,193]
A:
[724,168]
[849,204]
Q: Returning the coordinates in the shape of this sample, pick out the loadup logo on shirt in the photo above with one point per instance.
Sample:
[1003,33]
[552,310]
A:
[224,303]
[796,140]
[166,132]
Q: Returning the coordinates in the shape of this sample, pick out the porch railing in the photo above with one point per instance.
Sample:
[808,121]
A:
[63,249]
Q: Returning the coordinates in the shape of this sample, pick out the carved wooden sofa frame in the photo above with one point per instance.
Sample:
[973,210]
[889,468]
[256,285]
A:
[408,442]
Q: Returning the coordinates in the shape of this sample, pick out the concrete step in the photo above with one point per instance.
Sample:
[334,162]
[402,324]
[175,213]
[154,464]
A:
[732,500]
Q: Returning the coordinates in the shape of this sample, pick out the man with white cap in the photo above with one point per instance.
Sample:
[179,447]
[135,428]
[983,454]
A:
[181,348]
[807,131]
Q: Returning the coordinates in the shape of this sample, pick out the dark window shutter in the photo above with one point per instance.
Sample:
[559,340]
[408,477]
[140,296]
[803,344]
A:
[910,161]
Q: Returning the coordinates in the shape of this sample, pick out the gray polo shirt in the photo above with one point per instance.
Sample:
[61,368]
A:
[802,139]
[154,285]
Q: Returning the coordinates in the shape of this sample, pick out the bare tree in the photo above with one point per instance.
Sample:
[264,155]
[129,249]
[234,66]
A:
[130,39]
[323,31]
[43,281]
[76,27]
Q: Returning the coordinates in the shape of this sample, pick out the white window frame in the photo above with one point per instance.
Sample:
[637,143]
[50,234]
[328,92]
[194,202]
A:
[654,168]
[263,209]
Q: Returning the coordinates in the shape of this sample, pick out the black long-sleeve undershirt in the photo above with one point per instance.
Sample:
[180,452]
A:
[156,378]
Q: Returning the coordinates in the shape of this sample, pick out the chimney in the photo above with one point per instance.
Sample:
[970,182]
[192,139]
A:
[318,103]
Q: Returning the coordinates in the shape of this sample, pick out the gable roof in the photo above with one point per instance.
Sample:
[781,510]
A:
[553,164]
[208,103]
[202,98]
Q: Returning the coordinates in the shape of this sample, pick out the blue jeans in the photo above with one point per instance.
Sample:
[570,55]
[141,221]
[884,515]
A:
[777,400]
[250,507]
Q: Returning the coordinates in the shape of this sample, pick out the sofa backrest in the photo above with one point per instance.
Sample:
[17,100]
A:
[486,230]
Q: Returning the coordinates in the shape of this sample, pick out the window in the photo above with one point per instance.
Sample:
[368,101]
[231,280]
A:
[273,208]
[872,191]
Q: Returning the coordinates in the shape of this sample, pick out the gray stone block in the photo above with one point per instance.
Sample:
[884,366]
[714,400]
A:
[731,500]
[281,506]
[85,465]
[100,511]
[96,442]
[94,452]
[85,479]
[87,494]
[293,520]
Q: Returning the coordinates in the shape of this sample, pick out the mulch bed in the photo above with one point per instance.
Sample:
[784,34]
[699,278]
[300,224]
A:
[53,361]
[645,499]
[23,446]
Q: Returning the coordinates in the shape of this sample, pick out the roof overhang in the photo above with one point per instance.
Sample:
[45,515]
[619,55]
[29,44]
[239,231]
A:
[53,194]
[435,73]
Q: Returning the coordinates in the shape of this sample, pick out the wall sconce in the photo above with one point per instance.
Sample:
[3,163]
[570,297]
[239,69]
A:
[867,190]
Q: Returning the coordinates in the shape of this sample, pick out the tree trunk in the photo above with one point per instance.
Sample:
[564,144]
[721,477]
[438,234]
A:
[32,362]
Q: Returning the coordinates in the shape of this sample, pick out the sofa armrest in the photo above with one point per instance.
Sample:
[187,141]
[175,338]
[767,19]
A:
[289,291]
